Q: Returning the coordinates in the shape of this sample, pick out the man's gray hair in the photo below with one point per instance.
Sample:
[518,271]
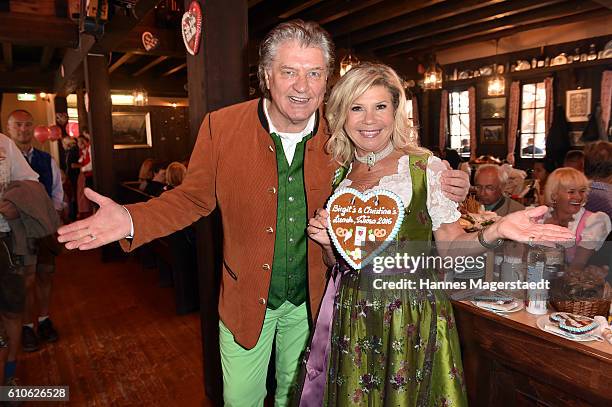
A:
[502,175]
[308,34]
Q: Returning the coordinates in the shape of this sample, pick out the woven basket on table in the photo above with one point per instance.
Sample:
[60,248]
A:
[586,308]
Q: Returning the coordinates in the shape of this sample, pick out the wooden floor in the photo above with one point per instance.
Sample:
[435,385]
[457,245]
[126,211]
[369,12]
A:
[120,340]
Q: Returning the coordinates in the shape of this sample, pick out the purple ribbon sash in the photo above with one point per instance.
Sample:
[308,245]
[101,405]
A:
[316,365]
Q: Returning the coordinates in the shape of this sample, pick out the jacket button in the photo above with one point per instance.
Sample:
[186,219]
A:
[262,301]
[272,190]
[269,229]
[271,148]
[266,266]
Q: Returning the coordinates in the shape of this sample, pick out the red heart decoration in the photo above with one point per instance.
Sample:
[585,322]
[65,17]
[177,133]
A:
[191,27]
[55,132]
[149,41]
[362,225]
[41,133]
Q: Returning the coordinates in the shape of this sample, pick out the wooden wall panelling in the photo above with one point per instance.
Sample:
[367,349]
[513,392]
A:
[170,139]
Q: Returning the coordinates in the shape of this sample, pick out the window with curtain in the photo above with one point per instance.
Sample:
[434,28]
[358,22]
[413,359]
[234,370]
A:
[409,112]
[459,122]
[533,123]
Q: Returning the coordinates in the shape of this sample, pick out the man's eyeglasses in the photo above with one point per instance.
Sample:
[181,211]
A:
[488,188]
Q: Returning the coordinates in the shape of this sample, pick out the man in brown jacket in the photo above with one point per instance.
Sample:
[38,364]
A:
[263,163]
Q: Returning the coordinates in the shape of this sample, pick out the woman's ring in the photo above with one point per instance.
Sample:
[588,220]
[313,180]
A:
[92,236]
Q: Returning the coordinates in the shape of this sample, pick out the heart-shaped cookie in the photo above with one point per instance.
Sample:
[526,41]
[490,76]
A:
[191,27]
[149,41]
[362,225]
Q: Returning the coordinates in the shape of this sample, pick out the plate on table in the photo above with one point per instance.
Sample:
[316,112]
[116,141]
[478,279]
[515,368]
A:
[550,326]
[502,305]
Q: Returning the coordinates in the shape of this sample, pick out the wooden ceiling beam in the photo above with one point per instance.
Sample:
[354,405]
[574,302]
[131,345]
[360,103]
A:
[46,57]
[377,15]
[150,65]
[417,18]
[331,11]
[293,11]
[7,55]
[429,45]
[122,60]
[71,62]
[605,3]
[116,30]
[174,70]
[267,14]
[170,42]
[470,19]
[26,80]
[35,30]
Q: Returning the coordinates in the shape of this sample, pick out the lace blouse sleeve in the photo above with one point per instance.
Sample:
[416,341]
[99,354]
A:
[597,227]
[440,208]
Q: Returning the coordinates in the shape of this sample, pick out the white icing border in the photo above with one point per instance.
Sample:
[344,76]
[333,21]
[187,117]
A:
[365,197]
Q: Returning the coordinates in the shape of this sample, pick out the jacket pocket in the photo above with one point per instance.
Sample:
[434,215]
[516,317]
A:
[229,271]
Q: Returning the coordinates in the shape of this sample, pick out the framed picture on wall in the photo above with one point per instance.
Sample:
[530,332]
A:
[132,130]
[492,134]
[578,105]
[574,137]
[493,108]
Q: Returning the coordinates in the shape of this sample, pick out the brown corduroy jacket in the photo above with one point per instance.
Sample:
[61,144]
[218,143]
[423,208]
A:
[233,167]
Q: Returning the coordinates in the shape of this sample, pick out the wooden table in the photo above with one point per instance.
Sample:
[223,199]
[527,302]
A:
[509,361]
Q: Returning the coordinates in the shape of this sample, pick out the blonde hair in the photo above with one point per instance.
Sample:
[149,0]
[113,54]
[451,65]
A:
[146,170]
[563,178]
[175,174]
[350,87]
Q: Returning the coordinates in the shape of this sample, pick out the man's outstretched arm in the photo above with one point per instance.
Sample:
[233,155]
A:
[172,211]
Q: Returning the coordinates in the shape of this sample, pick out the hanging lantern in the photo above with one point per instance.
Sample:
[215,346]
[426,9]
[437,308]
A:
[433,76]
[140,97]
[497,85]
[348,62]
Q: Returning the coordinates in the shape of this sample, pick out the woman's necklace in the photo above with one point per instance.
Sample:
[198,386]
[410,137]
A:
[372,158]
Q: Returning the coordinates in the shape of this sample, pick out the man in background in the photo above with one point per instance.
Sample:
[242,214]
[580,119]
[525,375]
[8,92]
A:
[490,181]
[13,167]
[574,159]
[39,281]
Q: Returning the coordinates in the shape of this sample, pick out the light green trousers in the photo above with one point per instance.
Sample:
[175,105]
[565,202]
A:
[245,370]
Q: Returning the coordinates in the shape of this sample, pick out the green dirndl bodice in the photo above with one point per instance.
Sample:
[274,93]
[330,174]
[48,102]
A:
[396,347]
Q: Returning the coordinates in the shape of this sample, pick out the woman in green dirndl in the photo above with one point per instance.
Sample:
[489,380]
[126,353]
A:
[399,347]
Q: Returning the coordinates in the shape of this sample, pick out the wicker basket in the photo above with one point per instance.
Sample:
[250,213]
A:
[588,308]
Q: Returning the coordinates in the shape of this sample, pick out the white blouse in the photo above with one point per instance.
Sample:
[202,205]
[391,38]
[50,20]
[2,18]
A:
[596,228]
[440,208]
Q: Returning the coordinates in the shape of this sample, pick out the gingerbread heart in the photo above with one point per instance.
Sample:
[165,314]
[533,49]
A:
[361,226]
[149,41]
[191,27]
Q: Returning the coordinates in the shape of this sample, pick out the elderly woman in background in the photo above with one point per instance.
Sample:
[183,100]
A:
[175,173]
[566,194]
[393,347]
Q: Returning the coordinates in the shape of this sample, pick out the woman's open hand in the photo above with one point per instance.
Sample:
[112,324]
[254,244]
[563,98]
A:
[522,227]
